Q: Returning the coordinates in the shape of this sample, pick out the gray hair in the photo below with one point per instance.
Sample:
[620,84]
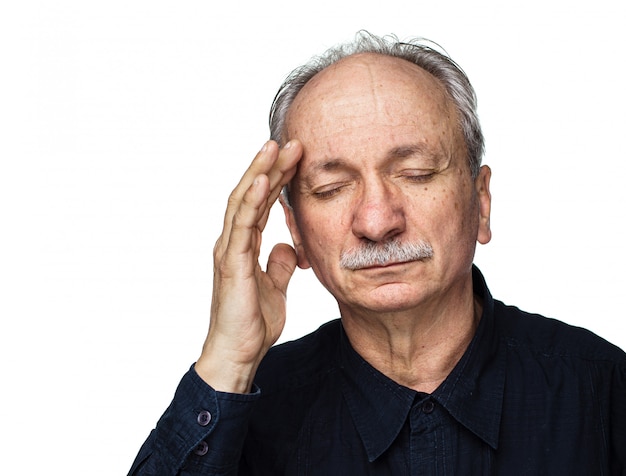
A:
[422,52]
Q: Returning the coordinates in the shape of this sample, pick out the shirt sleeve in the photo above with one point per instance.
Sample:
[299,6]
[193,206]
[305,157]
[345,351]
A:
[201,432]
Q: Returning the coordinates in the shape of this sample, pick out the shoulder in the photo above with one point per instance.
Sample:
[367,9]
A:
[553,338]
[301,362]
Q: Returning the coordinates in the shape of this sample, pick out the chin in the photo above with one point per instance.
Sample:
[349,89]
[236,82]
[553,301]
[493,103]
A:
[391,298]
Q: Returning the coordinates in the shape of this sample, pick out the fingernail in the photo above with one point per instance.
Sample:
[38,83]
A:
[264,148]
[287,145]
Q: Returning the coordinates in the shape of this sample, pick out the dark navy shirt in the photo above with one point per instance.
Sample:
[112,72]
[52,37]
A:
[530,396]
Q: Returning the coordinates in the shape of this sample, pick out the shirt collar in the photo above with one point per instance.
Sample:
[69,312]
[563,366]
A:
[378,405]
[472,393]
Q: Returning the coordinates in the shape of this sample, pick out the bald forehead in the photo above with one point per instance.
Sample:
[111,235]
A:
[366,76]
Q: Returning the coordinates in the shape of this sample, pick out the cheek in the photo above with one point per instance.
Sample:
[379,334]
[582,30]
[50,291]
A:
[317,234]
[447,211]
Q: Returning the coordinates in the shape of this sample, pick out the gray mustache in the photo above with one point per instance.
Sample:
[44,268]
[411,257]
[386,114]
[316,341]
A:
[380,254]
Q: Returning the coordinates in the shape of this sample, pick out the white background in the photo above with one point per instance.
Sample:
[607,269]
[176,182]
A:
[125,124]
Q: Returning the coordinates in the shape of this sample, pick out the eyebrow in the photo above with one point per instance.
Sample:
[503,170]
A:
[399,152]
[405,151]
[329,165]
[435,158]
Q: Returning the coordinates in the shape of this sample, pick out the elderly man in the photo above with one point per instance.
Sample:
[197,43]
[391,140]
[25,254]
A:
[378,147]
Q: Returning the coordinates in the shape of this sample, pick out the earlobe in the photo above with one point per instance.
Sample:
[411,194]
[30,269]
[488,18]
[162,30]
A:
[484,204]
[290,219]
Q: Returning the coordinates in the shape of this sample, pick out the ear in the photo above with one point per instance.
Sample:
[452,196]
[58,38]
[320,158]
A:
[290,218]
[484,204]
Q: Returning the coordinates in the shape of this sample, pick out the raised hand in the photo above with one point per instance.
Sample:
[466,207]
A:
[248,304]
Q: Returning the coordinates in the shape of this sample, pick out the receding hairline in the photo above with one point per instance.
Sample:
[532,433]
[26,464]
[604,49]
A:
[413,71]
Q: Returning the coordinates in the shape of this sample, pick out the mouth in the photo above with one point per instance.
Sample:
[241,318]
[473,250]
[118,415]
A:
[388,265]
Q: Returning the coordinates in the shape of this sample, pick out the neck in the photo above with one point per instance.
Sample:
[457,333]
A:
[416,348]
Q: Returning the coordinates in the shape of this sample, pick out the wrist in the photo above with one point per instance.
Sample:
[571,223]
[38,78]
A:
[225,375]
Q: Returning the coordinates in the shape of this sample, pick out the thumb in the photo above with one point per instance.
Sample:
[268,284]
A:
[281,264]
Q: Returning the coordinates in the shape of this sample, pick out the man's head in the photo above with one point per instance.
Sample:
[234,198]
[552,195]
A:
[386,207]
[418,51]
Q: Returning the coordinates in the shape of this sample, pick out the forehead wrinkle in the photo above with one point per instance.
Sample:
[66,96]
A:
[367,83]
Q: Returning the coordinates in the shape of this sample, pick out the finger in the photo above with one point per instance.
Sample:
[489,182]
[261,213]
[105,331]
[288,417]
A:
[279,166]
[243,245]
[285,166]
[281,174]
[281,264]
[261,164]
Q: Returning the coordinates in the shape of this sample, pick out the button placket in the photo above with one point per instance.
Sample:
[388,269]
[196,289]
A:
[203,419]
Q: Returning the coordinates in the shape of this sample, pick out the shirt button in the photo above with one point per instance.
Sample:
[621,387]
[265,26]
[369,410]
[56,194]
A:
[428,406]
[204,417]
[202,449]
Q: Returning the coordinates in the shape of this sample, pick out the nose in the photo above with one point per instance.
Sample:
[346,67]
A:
[379,212]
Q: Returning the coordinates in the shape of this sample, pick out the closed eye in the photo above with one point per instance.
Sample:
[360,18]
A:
[418,176]
[328,191]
